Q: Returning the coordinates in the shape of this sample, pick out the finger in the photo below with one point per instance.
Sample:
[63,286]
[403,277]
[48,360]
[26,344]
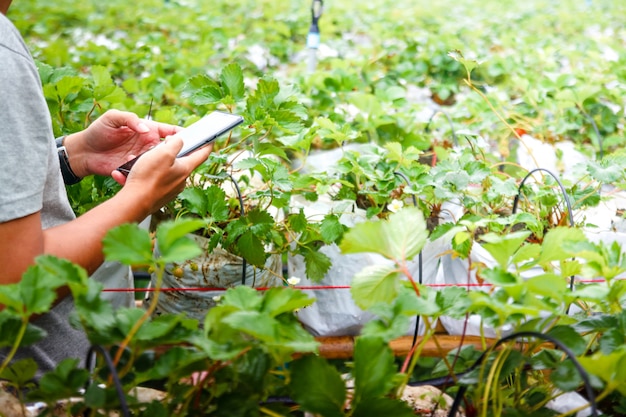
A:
[169,148]
[197,157]
[165,129]
[136,124]
[118,177]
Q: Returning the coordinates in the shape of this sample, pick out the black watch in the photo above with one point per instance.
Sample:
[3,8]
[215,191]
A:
[69,177]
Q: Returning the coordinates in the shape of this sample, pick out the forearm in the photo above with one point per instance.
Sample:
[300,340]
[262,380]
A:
[80,240]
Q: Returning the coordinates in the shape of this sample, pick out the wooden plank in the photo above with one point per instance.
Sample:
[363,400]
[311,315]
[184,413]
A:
[342,347]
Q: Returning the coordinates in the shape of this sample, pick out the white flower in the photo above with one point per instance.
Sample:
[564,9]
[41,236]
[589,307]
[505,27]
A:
[395,205]
[293,281]
[217,298]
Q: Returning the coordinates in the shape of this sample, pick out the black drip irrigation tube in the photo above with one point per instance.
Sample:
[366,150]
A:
[565,198]
[536,335]
[125,412]
[445,380]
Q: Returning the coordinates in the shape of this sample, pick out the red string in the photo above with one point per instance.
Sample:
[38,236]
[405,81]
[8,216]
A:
[312,287]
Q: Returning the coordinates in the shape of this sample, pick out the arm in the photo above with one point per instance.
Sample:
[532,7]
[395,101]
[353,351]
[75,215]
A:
[114,138]
[156,179]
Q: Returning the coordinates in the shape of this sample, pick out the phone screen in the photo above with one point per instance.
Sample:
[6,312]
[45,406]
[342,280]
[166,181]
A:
[199,134]
[206,130]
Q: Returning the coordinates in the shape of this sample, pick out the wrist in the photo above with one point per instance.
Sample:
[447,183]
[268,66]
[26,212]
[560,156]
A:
[75,154]
[69,176]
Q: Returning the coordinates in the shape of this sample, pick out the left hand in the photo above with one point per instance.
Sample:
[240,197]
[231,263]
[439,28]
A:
[114,138]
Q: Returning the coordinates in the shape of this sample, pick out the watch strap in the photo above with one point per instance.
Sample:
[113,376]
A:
[69,178]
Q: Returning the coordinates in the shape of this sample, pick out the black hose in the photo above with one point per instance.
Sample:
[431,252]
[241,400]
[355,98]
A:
[114,376]
[585,377]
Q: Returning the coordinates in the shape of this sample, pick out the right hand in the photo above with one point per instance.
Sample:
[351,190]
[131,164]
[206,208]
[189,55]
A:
[158,176]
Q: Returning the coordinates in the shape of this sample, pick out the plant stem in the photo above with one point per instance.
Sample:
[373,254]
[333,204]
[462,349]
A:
[16,344]
[118,355]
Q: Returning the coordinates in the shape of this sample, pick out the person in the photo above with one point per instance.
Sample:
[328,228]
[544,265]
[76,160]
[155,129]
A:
[35,214]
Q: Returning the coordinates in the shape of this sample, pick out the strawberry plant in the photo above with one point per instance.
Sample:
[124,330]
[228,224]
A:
[387,75]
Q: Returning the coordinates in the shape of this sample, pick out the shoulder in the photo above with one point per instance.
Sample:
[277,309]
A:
[11,42]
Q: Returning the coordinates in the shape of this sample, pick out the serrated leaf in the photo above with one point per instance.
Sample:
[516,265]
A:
[375,284]
[67,86]
[173,241]
[374,368]
[103,84]
[317,265]
[20,372]
[232,81]
[330,228]
[251,248]
[128,244]
[317,386]
[11,328]
[502,247]
[552,247]
[549,285]
[605,172]
[194,199]
[570,338]
[255,324]
[243,298]
[282,300]
[298,222]
[202,90]
[401,237]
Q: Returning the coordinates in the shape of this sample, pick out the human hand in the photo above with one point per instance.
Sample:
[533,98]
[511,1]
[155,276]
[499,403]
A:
[159,176]
[114,138]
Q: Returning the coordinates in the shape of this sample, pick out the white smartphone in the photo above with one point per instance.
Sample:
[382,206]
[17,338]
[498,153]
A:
[198,134]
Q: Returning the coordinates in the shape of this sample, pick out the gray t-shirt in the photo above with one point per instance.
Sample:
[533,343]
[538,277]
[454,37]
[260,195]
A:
[31,181]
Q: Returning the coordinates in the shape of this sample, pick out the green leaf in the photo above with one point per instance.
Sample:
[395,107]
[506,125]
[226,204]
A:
[297,222]
[95,396]
[128,244]
[173,241]
[502,247]
[252,249]
[254,323]
[20,372]
[35,293]
[331,229]
[195,200]
[283,300]
[570,338]
[243,298]
[317,386]
[217,206]
[375,284]
[11,327]
[548,285]
[370,407]
[499,276]
[605,172]
[552,247]
[317,265]
[103,84]
[399,238]
[63,382]
[374,369]
[232,81]
[202,90]
[68,86]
